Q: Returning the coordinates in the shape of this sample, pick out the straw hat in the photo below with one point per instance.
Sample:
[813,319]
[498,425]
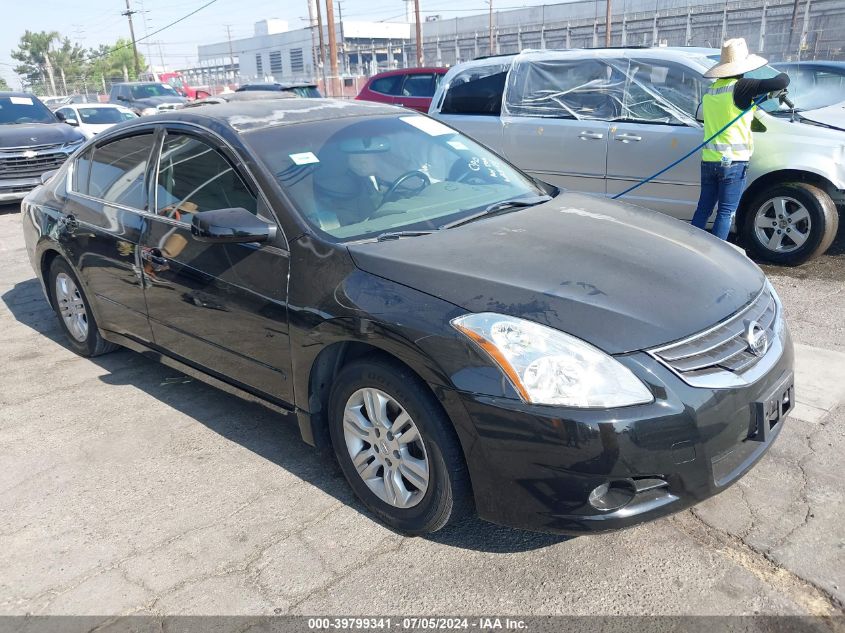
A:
[735,60]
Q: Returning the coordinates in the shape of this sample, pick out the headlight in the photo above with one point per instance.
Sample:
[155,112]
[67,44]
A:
[547,366]
[148,111]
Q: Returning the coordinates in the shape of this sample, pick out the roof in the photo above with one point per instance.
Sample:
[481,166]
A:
[832,65]
[13,93]
[423,70]
[246,116]
[137,83]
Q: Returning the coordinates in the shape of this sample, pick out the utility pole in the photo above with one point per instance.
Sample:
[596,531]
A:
[607,20]
[342,38]
[231,54]
[419,33]
[490,34]
[311,25]
[332,43]
[129,13]
[322,45]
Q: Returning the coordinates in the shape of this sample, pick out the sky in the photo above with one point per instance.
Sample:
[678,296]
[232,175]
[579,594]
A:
[94,22]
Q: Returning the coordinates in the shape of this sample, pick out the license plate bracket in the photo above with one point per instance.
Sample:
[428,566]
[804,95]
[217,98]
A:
[768,412]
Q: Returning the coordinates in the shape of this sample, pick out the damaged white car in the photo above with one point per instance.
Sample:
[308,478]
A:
[601,120]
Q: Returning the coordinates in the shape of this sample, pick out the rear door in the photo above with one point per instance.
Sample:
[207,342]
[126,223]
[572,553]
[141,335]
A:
[557,120]
[106,208]
[222,307]
[657,126]
[385,89]
[472,103]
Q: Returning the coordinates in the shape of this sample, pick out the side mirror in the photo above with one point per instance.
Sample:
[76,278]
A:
[60,116]
[231,225]
[72,122]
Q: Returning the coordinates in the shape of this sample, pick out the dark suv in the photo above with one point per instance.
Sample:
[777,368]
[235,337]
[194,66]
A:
[32,142]
[146,97]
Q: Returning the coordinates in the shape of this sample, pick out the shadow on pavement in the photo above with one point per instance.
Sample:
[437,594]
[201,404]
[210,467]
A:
[253,426]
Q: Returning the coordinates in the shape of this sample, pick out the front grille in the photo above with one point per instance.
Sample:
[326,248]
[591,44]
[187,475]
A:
[724,347]
[16,188]
[23,166]
[34,148]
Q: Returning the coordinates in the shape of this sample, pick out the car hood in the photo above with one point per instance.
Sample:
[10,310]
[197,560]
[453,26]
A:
[30,134]
[620,277]
[834,115]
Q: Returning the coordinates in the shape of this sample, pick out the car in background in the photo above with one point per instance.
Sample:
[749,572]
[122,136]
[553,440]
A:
[93,118]
[602,120]
[410,88]
[309,91]
[236,97]
[814,84]
[608,366]
[33,142]
[176,81]
[146,97]
[55,103]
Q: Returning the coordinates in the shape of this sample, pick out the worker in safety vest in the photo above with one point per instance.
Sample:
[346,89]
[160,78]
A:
[724,160]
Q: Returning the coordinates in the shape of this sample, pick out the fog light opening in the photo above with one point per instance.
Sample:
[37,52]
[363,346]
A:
[612,495]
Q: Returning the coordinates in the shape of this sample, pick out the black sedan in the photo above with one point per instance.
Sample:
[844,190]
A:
[463,337]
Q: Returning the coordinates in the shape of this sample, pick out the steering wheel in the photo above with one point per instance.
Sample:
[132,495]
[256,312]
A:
[424,179]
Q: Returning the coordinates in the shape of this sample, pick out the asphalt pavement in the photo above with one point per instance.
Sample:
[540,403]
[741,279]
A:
[127,488]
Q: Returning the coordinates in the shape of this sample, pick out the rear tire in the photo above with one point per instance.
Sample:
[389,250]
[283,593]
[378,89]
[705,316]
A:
[415,486]
[790,223]
[74,311]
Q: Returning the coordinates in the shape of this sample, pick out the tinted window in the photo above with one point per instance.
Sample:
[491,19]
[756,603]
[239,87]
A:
[145,91]
[194,177]
[24,109]
[387,85]
[117,171]
[476,91]
[566,88]
[81,172]
[418,86]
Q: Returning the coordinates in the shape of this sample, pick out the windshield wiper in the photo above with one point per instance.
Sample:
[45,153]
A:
[498,207]
[395,235]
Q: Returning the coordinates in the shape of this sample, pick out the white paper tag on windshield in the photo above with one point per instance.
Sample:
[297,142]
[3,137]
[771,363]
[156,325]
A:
[304,158]
[21,100]
[457,144]
[429,126]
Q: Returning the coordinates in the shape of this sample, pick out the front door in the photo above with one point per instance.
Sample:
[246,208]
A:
[556,120]
[657,127]
[221,307]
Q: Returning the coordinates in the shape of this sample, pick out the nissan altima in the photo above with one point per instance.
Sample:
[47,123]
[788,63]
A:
[463,338]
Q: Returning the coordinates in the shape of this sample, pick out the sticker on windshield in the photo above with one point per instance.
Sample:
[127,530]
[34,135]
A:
[429,126]
[304,158]
[21,100]
[457,145]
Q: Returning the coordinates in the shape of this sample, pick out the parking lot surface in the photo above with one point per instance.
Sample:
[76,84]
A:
[126,487]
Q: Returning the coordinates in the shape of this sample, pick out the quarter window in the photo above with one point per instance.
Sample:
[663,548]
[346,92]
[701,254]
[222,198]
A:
[418,86]
[117,171]
[194,177]
[387,85]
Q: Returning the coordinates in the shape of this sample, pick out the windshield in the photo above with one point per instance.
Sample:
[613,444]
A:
[359,178]
[176,82]
[103,116]
[24,110]
[153,90]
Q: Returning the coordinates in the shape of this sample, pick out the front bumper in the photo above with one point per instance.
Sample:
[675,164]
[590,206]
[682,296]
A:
[13,189]
[534,467]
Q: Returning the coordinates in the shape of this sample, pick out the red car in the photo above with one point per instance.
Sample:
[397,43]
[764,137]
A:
[409,87]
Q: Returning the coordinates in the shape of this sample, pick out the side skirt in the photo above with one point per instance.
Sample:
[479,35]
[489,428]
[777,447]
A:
[303,417]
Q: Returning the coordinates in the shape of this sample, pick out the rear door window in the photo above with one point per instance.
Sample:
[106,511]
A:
[117,171]
[659,91]
[418,85]
[390,85]
[476,91]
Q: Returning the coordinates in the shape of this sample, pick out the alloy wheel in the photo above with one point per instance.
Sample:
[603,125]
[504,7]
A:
[71,307]
[386,448]
[782,224]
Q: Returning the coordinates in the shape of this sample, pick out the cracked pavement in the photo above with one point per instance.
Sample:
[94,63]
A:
[128,490]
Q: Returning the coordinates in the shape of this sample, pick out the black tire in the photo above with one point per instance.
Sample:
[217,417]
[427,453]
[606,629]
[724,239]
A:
[823,217]
[93,344]
[448,496]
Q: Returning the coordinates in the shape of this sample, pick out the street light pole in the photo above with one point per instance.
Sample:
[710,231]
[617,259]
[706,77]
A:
[490,34]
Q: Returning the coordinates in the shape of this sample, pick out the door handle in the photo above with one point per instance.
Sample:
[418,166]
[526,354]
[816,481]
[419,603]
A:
[625,138]
[154,258]
[590,135]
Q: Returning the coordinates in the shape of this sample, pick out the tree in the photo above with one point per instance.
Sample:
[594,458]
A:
[50,63]
[108,62]
[4,85]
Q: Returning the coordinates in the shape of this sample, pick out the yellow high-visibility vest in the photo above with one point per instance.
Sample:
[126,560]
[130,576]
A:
[719,110]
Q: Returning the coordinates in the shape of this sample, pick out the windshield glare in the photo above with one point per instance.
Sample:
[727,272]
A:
[359,178]
[153,90]
[24,110]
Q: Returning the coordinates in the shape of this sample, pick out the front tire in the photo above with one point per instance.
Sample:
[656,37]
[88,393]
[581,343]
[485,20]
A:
[74,311]
[396,447]
[790,224]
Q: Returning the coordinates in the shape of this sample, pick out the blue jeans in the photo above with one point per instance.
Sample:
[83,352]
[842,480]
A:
[723,185]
